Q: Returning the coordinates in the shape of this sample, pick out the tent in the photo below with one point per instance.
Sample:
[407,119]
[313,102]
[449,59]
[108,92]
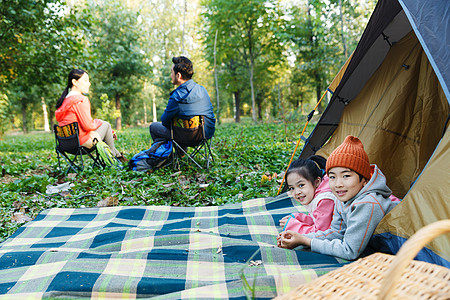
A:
[394,95]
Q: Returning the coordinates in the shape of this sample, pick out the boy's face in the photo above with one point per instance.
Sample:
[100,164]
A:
[345,183]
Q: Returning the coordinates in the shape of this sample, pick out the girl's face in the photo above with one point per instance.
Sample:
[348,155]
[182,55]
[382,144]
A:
[301,190]
[81,85]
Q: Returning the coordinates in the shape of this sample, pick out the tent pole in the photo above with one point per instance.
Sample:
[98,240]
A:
[298,142]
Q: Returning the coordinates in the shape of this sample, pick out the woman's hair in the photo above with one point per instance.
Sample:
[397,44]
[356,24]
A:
[310,168]
[74,74]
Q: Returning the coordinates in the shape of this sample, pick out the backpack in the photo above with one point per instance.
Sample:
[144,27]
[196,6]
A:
[153,158]
[106,155]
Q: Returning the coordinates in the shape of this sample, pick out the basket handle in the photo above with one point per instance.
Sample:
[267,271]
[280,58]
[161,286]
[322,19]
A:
[407,253]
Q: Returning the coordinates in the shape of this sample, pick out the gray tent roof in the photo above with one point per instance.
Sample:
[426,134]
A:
[389,23]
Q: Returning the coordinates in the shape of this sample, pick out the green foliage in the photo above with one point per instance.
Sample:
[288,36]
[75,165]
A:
[107,112]
[243,155]
[292,49]
[40,42]
[249,50]
[121,63]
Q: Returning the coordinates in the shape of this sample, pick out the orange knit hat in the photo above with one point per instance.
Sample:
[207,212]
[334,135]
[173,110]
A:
[350,154]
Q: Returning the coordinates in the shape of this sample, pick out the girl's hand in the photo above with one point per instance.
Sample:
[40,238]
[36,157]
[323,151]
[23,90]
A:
[279,240]
[290,239]
[284,220]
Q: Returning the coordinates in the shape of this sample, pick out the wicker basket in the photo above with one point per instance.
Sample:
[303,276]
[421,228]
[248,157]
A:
[384,276]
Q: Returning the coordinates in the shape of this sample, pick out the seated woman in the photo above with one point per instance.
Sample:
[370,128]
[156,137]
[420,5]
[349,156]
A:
[73,106]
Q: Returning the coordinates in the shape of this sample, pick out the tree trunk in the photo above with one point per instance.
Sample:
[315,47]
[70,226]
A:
[155,119]
[342,29]
[184,27]
[237,104]
[253,93]
[259,110]
[319,95]
[51,112]
[119,118]
[24,116]
[44,112]
[217,81]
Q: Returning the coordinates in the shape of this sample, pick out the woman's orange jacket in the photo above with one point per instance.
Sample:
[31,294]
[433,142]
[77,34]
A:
[77,108]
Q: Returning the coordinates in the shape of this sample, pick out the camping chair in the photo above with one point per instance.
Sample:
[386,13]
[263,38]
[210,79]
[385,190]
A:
[191,133]
[67,143]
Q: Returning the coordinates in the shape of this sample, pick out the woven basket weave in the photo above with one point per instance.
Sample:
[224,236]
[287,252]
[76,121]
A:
[384,276]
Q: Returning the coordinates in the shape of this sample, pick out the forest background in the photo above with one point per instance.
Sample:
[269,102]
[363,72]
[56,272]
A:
[265,59]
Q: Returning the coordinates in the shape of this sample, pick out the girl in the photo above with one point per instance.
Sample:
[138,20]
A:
[309,186]
[74,107]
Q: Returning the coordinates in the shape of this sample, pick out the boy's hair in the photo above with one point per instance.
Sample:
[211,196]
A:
[350,154]
[183,66]
[310,168]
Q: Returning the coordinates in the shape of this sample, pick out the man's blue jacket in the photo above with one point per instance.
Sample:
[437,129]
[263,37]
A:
[188,100]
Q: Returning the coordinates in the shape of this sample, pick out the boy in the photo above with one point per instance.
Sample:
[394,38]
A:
[363,201]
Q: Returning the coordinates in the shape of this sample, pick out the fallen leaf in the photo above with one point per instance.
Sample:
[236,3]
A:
[255,263]
[193,197]
[201,178]
[17,204]
[108,201]
[168,185]
[20,218]
[175,174]
[65,194]
[183,180]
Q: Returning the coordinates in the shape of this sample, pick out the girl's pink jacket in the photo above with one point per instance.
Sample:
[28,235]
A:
[320,212]
[77,108]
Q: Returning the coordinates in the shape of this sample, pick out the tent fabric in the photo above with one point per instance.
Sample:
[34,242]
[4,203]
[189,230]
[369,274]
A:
[431,23]
[394,97]
[398,115]
[387,25]
[427,202]
[158,251]
[337,79]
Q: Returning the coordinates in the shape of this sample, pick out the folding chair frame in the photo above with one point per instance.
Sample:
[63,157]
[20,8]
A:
[204,144]
[70,145]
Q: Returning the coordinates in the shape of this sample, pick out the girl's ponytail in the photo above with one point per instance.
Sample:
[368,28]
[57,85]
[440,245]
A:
[74,74]
[63,96]
[320,162]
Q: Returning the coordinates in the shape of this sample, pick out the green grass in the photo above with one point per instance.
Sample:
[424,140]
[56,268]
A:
[243,153]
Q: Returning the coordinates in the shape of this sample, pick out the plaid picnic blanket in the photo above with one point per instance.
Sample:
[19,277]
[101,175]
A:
[221,252]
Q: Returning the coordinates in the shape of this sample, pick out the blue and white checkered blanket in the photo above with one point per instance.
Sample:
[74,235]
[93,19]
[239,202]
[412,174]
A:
[219,252]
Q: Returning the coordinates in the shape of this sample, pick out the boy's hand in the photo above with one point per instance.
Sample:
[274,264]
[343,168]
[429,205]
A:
[284,220]
[290,239]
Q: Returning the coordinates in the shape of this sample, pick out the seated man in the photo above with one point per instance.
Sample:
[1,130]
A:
[189,99]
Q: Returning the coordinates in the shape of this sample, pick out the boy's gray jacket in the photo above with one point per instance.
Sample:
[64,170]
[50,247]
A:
[355,220]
